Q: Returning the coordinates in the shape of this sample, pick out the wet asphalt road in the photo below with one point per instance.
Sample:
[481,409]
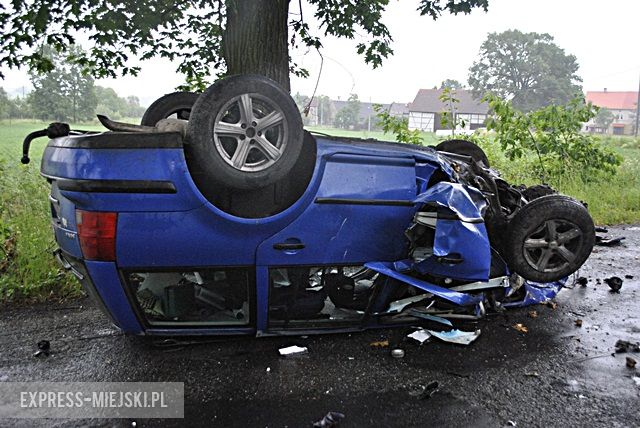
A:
[557,374]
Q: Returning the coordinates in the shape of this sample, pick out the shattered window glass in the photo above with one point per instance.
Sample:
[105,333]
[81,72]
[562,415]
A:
[211,297]
[307,296]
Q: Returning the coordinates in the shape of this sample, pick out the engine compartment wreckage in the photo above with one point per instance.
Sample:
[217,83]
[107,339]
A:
[236,221]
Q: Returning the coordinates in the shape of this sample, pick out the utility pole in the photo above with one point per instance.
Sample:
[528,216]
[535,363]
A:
[637,109]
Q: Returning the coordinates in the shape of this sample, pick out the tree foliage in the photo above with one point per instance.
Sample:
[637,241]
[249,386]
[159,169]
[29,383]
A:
[398,126]
[451,84]
[604,118]
[116,107]
[5,104]
[528,68]
[65,93]
[348,117]
[552,134]
[190,32]
[449,118]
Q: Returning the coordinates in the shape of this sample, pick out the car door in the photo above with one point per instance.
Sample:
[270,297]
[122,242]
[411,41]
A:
[359,214]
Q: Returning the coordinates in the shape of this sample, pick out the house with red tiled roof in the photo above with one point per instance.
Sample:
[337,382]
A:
[623,105]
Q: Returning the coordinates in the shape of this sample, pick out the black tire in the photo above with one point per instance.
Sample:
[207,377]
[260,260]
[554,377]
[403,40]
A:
[225,150]
[549,238]
[466,148]
[178,103]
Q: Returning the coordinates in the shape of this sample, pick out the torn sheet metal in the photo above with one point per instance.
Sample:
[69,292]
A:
[468,203]
[399,305]
[469,241]
[466,236]
[418,314]
[421,335]
[462,299]
[456,336]
[536,292]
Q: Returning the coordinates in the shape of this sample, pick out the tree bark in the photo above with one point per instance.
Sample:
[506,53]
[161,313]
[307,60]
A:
[255,39]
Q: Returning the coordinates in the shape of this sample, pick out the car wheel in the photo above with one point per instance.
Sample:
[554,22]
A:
[549,238]
[245,132]
[466,148]
[176,103]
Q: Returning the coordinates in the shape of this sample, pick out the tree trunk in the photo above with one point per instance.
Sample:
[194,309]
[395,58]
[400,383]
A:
[255,39]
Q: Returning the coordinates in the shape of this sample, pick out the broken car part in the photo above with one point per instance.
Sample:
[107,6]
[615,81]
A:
[330,420]
[292,350]
[456,336]
[614,283]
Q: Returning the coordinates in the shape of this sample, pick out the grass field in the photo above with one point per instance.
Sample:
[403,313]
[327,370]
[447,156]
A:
[28,271]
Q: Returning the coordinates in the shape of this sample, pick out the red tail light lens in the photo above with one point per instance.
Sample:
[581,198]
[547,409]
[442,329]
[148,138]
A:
[97,234]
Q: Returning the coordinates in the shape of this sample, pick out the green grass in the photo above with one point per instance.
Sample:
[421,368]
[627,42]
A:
[28,272]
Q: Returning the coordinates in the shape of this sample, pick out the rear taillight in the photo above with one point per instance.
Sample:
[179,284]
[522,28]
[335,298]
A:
[97,234]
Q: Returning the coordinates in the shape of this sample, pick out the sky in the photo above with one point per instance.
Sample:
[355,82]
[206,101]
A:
[604,36]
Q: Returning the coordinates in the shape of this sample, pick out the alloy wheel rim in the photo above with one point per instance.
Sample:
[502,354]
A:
[553,246]
[250,132]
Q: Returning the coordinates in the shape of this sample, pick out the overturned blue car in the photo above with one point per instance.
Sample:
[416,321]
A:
[220,215]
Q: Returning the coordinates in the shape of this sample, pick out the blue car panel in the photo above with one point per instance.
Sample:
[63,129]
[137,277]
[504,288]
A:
[309,263]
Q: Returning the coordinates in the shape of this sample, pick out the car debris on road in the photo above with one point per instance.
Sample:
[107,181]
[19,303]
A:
[44,348]
[293,350]
[330,420]
[626,346]
[614,283]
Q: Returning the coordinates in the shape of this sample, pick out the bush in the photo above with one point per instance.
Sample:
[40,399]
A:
[398,126]
[552,134]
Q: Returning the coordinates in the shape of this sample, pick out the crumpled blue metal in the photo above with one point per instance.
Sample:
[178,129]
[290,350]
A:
[456,297]
[536,293]
[466,237]
[467,202]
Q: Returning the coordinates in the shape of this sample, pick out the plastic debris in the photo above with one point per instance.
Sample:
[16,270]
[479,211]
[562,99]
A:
[631,363]
[628,276]
[429,317]
[397,353]
[268,369]
[521,328]
[293,350]
[399,305]
[421,335]
[44,346]
[578,323]
[614,283]
[331,419]
[636,379]
[456,336]
[625,346]
[609,242]
[511,423]
[582,281]
[424,392]
[380,344]
[533,314]
[532,374]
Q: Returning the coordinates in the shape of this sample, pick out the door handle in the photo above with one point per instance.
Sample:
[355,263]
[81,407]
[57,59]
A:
[288,246]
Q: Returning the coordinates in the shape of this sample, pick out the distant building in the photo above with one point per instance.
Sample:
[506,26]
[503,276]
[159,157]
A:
[425,112]
[623,106]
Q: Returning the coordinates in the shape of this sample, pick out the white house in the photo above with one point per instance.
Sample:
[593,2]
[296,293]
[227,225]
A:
[425,111]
